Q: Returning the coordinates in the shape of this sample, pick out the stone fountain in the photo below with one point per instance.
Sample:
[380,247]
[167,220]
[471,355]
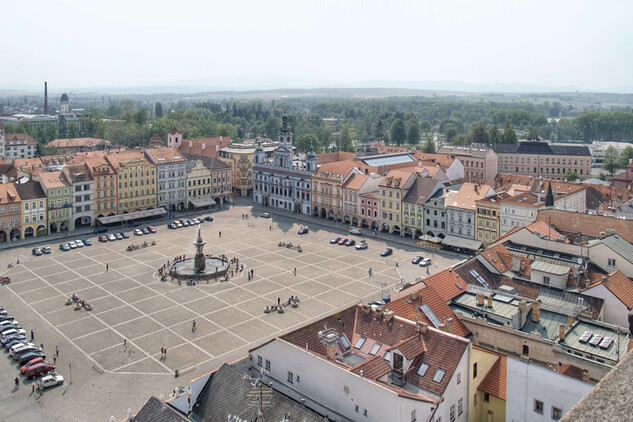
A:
[201,266]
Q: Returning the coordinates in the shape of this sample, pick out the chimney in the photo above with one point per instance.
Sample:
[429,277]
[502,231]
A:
[422,327]
[190,143]
[536,311]
[489,304]
[204,145]
[585,375]
[220,140]
[516,262]
[45,97]
[330,340]
[362,373]
[480,299]
[553,365]
[561,331]
[449,325]
[570,321]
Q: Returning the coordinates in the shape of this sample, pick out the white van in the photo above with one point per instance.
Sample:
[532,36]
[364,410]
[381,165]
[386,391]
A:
[356,230]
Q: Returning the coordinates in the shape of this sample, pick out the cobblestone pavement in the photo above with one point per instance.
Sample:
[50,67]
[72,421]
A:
[111,356]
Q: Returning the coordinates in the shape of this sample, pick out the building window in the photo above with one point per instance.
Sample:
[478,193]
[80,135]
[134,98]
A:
[486,398]
[413,416]
[259,361]
[546,280]
[538,406]
[556,413]
[267,365]
[460,406]
[291,377]
[475,399]
[474,370]
[459,377]
[452,413]
[611,262]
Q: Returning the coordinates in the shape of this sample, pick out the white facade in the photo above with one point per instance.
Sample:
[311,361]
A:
[615,312]
[346,396]
[455,170]
[461,222]
[534,392]
[610,260]
[172,179]
[516,215]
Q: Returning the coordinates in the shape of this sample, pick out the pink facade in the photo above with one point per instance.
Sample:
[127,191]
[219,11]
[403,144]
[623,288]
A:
[369,210]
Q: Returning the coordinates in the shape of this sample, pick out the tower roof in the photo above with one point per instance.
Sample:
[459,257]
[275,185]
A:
[64,98]
[285,125]
[311,153]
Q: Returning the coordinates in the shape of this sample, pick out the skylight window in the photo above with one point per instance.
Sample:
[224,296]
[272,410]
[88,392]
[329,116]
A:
[439,375]
[344,342]
[387,355]
[375,349]
[422,369]
[360,343]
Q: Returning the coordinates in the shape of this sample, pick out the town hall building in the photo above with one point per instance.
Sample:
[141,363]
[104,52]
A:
[283,182]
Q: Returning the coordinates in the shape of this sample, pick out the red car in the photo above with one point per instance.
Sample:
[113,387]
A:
[39,369]
[102,238]
[151,229]
[343,241]
[30,364]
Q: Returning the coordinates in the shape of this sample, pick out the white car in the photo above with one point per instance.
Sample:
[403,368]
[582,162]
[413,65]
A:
[425,262]
[361,245]
[19,346]
[50,380]
[72,245]
[13,331]
[79,243]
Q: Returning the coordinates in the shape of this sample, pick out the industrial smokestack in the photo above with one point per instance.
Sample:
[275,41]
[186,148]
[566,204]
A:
[45,97]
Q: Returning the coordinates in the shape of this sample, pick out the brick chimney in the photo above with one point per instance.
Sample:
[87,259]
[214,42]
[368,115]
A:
[422,327]
[480,299]
[570,320]
[449,325]
[489,304]
[562,331]
[536,311]
[585,375]
[330,340]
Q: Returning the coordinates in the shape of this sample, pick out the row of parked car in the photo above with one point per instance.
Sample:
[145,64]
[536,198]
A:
[349,242]
[31,358]
[75,244]
[178,224]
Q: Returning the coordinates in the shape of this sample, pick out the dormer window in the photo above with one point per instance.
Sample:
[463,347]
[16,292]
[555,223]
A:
[439,375]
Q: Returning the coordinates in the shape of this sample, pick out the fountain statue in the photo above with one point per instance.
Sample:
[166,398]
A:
[199,261]
[200,267]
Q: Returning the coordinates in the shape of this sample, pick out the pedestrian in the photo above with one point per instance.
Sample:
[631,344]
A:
[54,360]
[193,326]
[33,388]
[219,234]
[278,301]
[165,352]
[107,267]
[124,342]
[17,383]
[270,228]
[32,334]
[370,272]
[56,350]
[295,271]
[427,270]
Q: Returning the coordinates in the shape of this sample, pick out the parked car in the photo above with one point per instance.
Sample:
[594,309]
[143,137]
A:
[172,226]
[416,260]
[79,243]
[72,244]
[376,303]
[50,380]
[46,249]
[103,238]
[343,241]
[303,230]
[15,354]
[36,251]
[99,230]
[28,358]
[335,240]
[87,242]
[30,364]
[208,218]
[7,322]
[5,317]
[118,236]
[146,231]
[125,235]
[425,262]
[111,237]
[19,346]
[362,245]
[151,229]
[350,242]
[39,369]
[386,252]
[64,247]
[185,223]
[264,215]
[12,341]
[178,224]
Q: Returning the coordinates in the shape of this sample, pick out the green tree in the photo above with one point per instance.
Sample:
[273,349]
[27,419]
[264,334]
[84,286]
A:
[478,134]
[397,132]
[158,110]
[346,142]
[429,147]
[494,137]
[509,137]
[379,130]
[303,143]
[626,156]
[570,176]
[451,134]
[413,131]
[48,150]
[611,160]
[533,133]
[425,126]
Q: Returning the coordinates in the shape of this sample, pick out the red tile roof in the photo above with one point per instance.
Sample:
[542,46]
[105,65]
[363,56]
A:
[588,224]
[621,286]
[330,157]
[448,284]
[571,371]
[495,382]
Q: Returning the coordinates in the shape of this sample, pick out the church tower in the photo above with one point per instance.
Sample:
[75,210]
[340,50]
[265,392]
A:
[283,153]
[549,197]
[311,160]
[259,153]
[64,104]
[174,138]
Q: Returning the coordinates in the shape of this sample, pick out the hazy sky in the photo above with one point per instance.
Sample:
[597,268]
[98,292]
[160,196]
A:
[81,43]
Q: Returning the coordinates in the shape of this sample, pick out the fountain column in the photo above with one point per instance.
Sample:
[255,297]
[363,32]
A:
[199,261]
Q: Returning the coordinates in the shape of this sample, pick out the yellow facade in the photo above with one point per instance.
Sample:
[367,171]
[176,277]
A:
[137,185]
[484,407]
[487,222]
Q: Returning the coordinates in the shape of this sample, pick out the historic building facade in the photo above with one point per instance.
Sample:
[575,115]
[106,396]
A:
[282,183]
